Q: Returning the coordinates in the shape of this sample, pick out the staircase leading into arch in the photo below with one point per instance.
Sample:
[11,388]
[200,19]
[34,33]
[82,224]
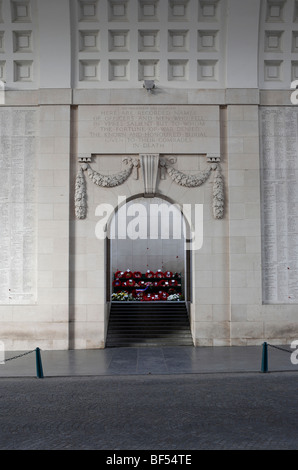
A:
[135,324]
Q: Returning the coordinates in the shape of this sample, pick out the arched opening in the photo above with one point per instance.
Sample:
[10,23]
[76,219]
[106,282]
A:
[149,259]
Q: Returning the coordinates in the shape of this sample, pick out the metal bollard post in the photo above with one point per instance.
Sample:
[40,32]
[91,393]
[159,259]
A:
[39,371]
[264,367]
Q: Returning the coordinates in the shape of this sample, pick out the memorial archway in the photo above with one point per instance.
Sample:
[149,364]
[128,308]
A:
[148,237]
[148,275]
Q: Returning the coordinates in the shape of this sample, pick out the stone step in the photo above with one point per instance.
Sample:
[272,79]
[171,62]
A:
[134,324]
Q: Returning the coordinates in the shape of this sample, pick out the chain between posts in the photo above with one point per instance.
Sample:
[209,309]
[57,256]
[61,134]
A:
[278,347]
[264,364]
[39,368]
[20,355]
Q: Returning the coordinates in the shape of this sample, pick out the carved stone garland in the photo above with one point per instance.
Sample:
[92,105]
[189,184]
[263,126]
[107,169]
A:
[189,181]
[108,181]
[80,195]
[193,181]
[218,194]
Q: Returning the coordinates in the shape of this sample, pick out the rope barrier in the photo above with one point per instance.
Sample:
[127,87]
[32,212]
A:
[264,364]
[39,368]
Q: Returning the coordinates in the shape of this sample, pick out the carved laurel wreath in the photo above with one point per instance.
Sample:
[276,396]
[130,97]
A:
[110,181]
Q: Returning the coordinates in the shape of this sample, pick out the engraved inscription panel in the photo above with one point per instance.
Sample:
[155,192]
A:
[279,154]
[17,206]
[157,129]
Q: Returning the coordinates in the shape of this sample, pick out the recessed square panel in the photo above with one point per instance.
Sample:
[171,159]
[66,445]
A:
[2,70]
[1,41]
[207,70]
[89,70]
[178,10]
[22,41]
[88,10]
[118,40]
[119,70]
[273,70]
[148,69]
[20,11]
[275,9]
[148,40]
[148,10]
[178,70]
[23,71]
[295,19]
[273,41]
[118,10]
[295,70]
[295,41]
[208,10]
[178,40]
[207,41]
[89,41]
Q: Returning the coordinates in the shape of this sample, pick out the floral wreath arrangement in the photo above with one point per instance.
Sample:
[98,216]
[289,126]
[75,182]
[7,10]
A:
[163,295]
[156,286]
[163,283]
[129,282]
[122,296]
[159,273]
[149,274]
[176,297]
[128,274]
[119,274]
[168,274]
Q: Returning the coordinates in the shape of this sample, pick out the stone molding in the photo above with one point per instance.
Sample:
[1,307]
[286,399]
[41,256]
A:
[150,164]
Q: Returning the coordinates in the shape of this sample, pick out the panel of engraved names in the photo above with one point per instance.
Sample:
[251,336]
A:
[158,129]
[279,153]
[17,206]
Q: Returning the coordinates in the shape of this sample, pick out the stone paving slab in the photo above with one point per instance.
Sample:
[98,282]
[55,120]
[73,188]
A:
[157,400]
[148,360]
[155,413]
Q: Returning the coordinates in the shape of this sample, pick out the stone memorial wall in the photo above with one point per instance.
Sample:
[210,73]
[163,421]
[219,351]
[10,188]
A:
[18,130]
[279,160]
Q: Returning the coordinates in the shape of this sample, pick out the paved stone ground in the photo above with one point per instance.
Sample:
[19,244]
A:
[173,412]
